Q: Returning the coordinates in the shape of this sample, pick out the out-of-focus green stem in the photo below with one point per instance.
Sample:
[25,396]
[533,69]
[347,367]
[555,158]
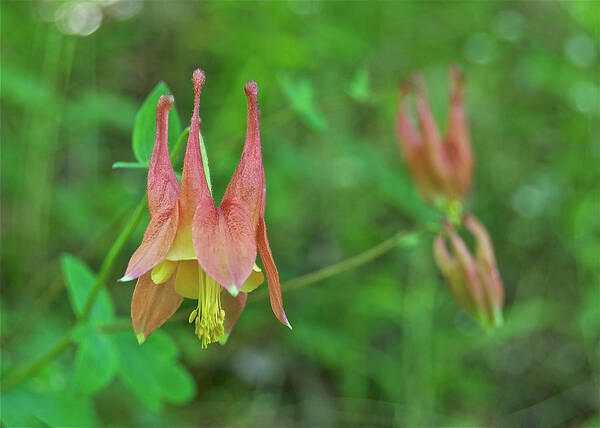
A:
[23,373]
[111,256]
[400,238]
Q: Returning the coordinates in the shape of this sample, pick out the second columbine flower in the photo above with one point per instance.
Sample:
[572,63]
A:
[194,249]
[441,167]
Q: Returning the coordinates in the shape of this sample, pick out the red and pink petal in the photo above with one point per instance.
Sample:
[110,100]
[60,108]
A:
[271,271]
[194,186]
[152,305]
[225,243]
[155,245]
[233,307]
[248,182]
[163,188]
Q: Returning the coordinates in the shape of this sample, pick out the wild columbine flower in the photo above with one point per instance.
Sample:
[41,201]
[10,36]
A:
[193,249]
[440,168]
[474,280]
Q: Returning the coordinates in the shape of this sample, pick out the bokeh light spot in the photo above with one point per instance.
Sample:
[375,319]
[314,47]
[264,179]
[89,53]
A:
[581,50]
[80,19]
[480,48]
[509,24]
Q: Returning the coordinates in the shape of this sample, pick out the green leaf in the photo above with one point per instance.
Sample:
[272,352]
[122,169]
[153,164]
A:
[176,384]
[16,409]
[25,406]
[205,162]
[136,165]
[300,95]
[144,131]
[360,85]
[135,369]
[151,371]
[66,410]
[79,280]
[96,362]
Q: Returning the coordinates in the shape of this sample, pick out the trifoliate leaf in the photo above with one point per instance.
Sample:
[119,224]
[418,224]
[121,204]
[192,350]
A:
[96,362]
[80,280]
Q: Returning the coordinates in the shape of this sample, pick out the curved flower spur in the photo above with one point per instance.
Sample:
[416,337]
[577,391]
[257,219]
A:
[193,249]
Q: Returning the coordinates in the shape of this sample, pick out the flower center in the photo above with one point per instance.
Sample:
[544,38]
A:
[208,317]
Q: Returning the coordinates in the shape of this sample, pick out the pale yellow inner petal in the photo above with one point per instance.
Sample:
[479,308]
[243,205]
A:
[163,271]
[255,279]
[186,280]
[183,247]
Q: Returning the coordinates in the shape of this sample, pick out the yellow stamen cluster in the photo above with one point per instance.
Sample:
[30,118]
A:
[208,316]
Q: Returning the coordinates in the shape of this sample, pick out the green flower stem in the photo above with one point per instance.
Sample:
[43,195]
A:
[111,256]
[21,374]
[399,239]
[28,370]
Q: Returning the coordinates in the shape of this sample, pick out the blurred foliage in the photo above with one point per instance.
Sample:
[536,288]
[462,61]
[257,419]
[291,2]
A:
[384,345]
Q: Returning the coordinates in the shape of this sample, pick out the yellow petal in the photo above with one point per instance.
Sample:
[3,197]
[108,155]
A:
[254,280]
[163,271]
[182,247]
[187,279]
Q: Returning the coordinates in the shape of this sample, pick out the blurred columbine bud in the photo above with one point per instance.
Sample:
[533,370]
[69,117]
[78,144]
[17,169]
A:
[474,279]
[442,169]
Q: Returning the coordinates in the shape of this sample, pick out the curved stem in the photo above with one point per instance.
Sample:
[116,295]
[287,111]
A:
[111,257]
[23,373]
[399,239]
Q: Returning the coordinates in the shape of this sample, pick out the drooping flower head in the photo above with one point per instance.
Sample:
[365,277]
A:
[440,167]
[473,279]
[193,249]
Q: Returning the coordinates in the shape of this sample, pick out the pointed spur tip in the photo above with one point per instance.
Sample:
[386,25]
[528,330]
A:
[124,279]
[198,77]
[166,99]
[251,88]
[287,322]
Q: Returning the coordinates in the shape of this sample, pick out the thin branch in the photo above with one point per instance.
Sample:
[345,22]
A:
[399,239]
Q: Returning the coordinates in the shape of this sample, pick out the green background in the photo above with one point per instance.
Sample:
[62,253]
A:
[381,345]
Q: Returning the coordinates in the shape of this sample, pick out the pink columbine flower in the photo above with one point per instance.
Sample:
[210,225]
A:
[474,279]
[194,249]
[440,168]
